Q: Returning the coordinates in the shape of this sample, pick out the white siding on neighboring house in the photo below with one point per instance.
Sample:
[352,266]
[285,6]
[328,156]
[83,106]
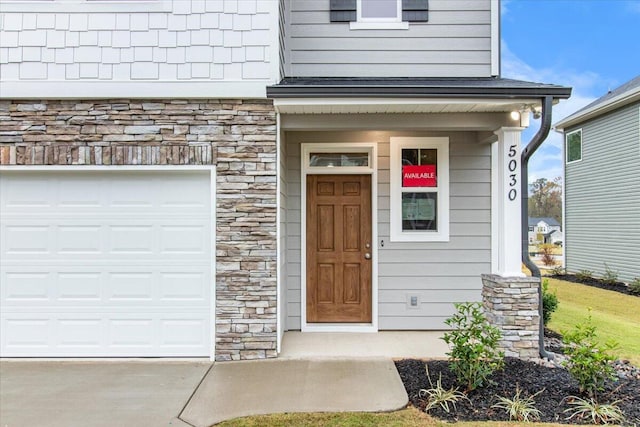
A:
[121,50]
[602,196]
[438,273]
[455,42]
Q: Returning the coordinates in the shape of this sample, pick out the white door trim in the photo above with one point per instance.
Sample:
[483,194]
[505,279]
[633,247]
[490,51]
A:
[140,168]
[372,169]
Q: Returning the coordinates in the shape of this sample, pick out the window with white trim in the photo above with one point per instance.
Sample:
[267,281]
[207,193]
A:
[573,146]
[419,189]
[373,14]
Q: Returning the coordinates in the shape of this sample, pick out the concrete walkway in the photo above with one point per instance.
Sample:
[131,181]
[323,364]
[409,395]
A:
[236,389]
[96,394]
[182,394]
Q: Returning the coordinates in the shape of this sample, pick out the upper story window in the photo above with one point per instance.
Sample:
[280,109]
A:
[379,10]
[379,14]
[573,146]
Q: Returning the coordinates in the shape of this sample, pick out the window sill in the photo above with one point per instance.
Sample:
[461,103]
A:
[419,238]
[378,25]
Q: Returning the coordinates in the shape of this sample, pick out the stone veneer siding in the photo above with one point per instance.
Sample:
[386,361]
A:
[237,136]
[511,304]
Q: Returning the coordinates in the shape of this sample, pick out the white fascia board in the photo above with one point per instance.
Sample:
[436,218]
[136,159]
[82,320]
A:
[290,102]
[597,110]
[132,89]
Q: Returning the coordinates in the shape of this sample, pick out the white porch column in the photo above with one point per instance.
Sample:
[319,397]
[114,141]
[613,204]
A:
[505,203]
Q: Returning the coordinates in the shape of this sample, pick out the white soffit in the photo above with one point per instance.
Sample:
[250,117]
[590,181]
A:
[397,105]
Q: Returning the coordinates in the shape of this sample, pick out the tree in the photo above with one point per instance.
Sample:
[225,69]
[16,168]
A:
[545,198]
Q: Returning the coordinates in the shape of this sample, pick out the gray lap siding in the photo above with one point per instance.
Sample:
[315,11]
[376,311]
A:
[439,273]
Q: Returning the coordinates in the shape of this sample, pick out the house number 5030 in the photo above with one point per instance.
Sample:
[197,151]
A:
[513,178]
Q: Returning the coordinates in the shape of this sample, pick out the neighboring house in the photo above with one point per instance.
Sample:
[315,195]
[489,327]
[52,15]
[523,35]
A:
[544,230]
[602,189]
[195,178]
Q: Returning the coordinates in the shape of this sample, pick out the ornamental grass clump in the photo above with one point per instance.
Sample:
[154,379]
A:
[439,396]
[520,407]
[597,413]
[474,354]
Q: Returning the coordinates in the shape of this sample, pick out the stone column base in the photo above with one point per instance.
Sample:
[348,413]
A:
[511,304]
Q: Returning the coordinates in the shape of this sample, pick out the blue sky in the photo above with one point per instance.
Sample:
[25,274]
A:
[590,45]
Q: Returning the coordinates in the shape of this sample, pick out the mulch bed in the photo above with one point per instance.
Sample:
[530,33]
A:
[597,283]
[530,377]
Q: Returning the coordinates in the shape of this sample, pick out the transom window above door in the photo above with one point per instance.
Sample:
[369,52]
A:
[329,157]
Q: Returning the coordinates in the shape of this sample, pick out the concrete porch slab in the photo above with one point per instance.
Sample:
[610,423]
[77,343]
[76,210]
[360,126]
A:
[391,344]
[237,389]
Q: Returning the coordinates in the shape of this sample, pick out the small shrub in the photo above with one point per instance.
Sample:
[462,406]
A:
[558,271]
[610,277]
[547,255]
[519,408]
[549,302]
[474,341]
[438,396]
[599,413]
[589,362]
[634,286]
[584,275]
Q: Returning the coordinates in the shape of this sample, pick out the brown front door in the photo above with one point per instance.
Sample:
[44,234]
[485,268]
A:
[339,248]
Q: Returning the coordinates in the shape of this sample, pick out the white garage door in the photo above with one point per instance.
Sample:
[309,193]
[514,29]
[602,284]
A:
[114,263]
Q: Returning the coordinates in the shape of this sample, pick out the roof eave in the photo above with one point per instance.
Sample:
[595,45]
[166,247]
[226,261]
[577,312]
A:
[619,101]
[411,91]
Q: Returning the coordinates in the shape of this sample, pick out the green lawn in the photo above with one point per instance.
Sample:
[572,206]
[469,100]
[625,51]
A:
[616,316]
[409,417]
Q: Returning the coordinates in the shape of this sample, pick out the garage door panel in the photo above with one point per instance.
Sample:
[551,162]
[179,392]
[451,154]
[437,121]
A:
[106,193]
[113,239]
[74,287]
[99,264]
[183,239]
[25,239]
[51,334]
[93,288]
[183,286]
[19,287]
[29,192]
[77,193]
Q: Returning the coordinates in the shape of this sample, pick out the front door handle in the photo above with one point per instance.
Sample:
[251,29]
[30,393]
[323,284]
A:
[367,256]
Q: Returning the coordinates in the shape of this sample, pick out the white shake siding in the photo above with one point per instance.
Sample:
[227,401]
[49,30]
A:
[178,42]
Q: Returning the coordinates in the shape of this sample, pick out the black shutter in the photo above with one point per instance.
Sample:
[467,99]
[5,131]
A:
[343,11]
[414,10]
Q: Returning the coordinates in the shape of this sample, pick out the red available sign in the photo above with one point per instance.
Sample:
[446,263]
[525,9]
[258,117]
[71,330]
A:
[419,176]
